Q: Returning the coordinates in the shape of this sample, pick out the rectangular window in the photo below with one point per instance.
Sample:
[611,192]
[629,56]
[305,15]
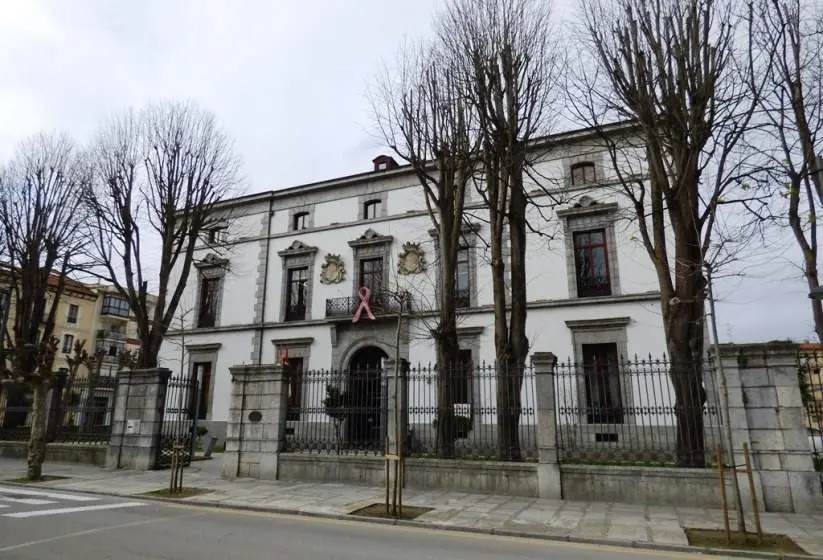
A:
[209,292]
[202,374]
[371,209]
[462,284]
[113,305]
[583,173]
[462,378]
[371,277]
[217,235]
[300,221]
[294,378]
[604,400]
[298,279]
[74,311]
[68,344]
[592,263]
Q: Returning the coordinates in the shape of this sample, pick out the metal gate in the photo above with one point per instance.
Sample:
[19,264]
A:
[178,421]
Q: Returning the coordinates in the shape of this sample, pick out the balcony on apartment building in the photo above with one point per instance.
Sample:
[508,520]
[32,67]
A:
[115,307]
[380,303]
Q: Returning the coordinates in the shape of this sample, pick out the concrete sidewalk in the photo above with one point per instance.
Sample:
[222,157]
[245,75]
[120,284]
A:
[626,524]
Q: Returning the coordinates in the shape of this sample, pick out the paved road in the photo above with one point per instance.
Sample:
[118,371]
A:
[44,525]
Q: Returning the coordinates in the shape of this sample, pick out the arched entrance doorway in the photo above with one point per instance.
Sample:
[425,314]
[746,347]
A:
[365,367]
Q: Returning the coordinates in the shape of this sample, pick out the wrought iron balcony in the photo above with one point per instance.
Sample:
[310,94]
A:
[380,303]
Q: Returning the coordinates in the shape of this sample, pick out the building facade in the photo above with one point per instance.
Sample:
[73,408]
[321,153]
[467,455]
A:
[284,277]
[93,314]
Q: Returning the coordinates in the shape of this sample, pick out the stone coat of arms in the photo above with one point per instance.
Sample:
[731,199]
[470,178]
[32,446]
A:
[333,271]
[412,259]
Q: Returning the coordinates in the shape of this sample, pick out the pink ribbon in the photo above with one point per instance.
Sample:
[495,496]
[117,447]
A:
[364,294]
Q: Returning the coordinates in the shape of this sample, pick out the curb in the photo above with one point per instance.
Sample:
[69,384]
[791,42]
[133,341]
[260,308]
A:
[640,545]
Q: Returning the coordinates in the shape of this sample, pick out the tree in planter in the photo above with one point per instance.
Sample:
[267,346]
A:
[338,407]
[42,225]
[158,175]
[673,69]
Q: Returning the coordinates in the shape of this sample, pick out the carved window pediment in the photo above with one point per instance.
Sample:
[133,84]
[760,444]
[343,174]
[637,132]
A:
[297,249]
[587,205]
[212,260]
[371,237]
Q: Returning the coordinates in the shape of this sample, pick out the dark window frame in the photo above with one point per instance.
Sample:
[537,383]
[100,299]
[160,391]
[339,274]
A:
[295,370]
[585,287]
[462,295]
[372,206]
[604,392]
[296,310]
[300,221]
[68,343]
[580,172]
[207,309]
[73,315]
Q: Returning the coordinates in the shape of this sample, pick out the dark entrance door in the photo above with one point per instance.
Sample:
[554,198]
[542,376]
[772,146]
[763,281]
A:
[604,399]
[364,387]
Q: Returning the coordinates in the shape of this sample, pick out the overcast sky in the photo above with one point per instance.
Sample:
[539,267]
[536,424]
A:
[287,80]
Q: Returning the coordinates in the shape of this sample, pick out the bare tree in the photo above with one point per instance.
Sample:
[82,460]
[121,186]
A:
[159,174]
[422,115]
[508,65]
[788,34]
[44,231]
[673,69]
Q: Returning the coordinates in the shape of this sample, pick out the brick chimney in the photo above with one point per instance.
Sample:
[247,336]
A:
[384,162]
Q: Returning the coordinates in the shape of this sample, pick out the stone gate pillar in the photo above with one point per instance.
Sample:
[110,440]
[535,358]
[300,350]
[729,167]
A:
[137,420]
[548,468]
[257,421]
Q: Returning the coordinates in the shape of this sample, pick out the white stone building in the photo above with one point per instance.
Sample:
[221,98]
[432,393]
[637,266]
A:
[288,276]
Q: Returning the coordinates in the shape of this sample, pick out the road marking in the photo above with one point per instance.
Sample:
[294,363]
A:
[57,496]
[27,501]
[79,509]
[92,531]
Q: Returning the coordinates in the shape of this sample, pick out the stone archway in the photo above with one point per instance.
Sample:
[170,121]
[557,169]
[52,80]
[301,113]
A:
[364,371]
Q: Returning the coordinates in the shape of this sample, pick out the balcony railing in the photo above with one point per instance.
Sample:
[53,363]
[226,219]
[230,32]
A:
[106,334]
[380,304]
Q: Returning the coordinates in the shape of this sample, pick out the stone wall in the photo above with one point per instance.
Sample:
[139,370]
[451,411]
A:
[491,477]
[643,485]
[58,452]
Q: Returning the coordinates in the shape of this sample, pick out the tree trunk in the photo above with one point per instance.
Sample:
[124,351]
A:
[683,322]
[37,437]
[445,336]
[518,346]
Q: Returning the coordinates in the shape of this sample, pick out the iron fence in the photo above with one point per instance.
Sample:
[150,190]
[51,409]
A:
[340,412]
[78,410]
[810,379]
[641,412]
[178,421]
[491,409]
